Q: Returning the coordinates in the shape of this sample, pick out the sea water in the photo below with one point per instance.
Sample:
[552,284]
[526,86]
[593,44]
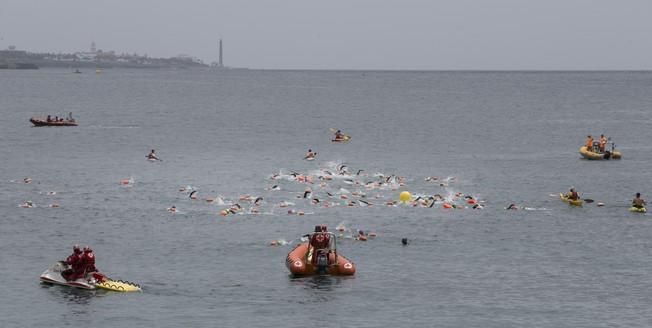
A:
[506,137]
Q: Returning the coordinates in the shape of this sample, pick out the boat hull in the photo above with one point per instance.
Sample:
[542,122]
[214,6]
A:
[299,264]
[572,202]
[53,276]
[42,122]
[590,155]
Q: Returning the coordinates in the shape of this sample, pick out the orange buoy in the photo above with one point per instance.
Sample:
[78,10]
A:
[471,201]
[447,205]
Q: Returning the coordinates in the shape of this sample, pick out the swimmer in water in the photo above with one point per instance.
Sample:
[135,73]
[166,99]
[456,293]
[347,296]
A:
[192,195]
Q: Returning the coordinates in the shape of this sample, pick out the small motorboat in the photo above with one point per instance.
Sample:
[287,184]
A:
[44,122]
[637,209]
[574,202]
[595,155]
[92,280]
[318,256]
[48,121]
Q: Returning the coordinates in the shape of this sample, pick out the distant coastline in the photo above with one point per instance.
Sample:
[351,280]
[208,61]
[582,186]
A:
[12,58]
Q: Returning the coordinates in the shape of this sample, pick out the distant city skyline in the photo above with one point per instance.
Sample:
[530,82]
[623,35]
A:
[354,34]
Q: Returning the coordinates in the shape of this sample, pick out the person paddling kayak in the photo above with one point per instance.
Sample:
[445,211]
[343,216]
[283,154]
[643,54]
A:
[572,194]
[310,155]
[152,156]
[638,202]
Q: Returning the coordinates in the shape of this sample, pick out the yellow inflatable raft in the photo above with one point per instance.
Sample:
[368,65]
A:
[588,154]
[118,286]
[565,199]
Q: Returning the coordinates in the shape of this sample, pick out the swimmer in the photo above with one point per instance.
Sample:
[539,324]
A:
[27,180]
[258,201]
[512,207]
[363,203]
[27,204]
[172,209]
[405,242]
[307,193]
[192,195]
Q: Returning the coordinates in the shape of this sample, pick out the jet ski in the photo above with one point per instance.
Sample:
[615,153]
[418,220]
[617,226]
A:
[92,280]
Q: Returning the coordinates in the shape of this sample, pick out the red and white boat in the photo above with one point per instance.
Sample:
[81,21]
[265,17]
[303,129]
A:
[318,256]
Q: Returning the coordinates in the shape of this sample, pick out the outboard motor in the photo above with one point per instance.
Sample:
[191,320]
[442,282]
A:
[607,155]
[322,263]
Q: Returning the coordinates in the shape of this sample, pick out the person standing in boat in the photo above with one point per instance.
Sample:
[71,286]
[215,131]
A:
[638,202]
[603,143]
[49,119]
[589,143]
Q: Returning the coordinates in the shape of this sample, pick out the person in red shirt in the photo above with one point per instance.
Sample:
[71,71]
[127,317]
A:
[88,261]
[74,261]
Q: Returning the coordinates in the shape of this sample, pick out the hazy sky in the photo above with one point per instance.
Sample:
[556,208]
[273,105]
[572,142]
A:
[347,34]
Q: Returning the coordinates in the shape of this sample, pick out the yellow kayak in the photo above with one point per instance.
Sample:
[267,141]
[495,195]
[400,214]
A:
[565,199]
[637,209]
[118,286]
[345,138]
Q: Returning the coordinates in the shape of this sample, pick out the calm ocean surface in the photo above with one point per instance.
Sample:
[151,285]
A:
[507,137]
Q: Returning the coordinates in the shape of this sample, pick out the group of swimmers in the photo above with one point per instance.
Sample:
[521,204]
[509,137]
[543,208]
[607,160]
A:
[599,146]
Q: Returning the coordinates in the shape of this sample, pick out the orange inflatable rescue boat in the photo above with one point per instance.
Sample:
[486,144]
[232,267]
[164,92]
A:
[318,256]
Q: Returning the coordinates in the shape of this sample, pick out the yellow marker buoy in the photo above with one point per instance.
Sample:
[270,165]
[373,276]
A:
[405,196]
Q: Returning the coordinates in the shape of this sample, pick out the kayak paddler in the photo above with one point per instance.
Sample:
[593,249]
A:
[638,202]
[572,194]
[152,155]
